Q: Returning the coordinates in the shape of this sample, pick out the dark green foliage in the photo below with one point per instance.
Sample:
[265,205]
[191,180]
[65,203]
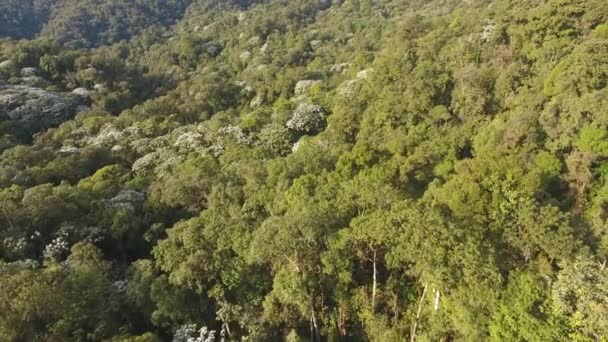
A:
[308,170]
[25,18]
[86,23]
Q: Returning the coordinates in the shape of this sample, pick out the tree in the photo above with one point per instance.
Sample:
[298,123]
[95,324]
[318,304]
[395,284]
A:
[579,295]
[524,313]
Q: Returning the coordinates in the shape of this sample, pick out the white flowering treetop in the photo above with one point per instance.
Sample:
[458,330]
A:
[307,118]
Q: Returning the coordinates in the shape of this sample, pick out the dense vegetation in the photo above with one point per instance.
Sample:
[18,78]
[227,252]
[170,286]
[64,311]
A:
[309,170]
[86,23]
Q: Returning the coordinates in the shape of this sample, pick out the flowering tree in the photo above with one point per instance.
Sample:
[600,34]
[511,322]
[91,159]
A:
[307,118]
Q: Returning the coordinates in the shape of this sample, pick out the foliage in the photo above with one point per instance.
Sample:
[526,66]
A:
[307,171]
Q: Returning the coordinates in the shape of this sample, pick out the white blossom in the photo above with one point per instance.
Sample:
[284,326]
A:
[146,163]
[245,55]
[304,86]
[236,133]
[189,141]
[295,147]
[364,74]
[108,136]
[92,234]
[216,150]
[148,145]
[339,68]
[169,164]
[488,29]
[133,131]
[307,118]
[15,245]
[69,149]
[184,333]
[57,249]
[264,48]
[188,333]
[130,196]
[257,101]
[126,199]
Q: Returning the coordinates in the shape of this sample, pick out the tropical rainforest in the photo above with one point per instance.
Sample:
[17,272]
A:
[304,170]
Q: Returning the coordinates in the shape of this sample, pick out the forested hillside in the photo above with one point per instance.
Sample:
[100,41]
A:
[304,170]
[86,23]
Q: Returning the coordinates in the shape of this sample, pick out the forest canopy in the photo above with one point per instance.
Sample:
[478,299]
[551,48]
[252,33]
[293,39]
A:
[304,170]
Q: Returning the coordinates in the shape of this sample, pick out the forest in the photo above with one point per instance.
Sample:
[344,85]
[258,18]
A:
[303,170]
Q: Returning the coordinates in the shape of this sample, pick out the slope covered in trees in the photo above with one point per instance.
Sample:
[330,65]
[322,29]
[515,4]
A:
[86,23]
[309,170]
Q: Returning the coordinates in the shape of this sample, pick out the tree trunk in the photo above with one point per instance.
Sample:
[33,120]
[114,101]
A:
[312,330]
[227,327]
[415,325]
[315,334]
[374,284]
[341,322]
[437,297]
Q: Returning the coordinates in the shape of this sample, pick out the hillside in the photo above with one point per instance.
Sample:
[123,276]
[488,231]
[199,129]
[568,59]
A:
[86,23]
[304,170]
